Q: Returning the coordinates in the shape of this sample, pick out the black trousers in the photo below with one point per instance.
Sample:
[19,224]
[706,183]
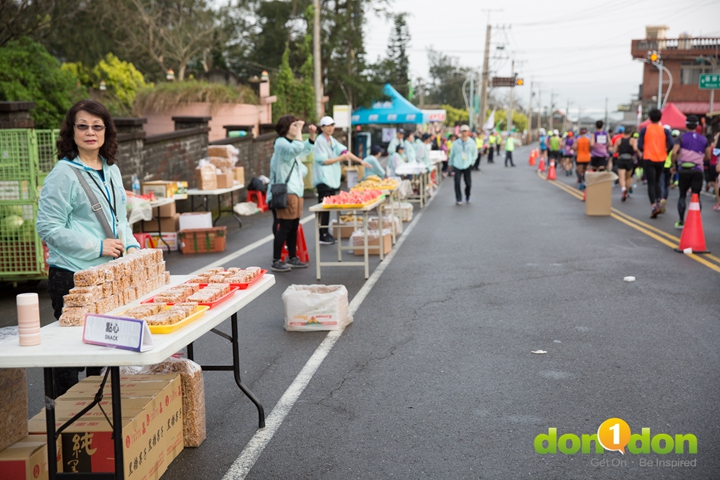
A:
[285,231]
[459,175]
[491,154]
[477,161]
[653,170]
[325,191]
[508,157]
[688,179]
[59,284]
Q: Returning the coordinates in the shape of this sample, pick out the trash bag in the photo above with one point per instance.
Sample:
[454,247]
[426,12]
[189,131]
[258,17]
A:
[257,184]
[246,208]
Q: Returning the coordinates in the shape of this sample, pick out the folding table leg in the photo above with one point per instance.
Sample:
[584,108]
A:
[50,422]
[117,423]
[235,367]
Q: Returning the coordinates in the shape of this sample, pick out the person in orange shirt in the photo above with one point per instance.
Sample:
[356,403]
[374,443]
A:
[654,143]
[581,145]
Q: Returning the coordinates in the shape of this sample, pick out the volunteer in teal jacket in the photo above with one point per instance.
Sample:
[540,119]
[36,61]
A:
[462,158]
[66,221]
[373,160]
[288,149]
[327,170]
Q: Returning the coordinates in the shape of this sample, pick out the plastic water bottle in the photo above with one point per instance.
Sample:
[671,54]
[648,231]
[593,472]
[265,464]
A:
[136,185]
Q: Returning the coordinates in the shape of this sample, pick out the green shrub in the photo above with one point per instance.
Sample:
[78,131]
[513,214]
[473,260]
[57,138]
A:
[29,73]
[169,94]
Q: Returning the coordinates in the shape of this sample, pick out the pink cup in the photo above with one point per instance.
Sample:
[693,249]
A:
[28,319]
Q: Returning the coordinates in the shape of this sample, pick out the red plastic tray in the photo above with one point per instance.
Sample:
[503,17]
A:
[233,289]
[241,286]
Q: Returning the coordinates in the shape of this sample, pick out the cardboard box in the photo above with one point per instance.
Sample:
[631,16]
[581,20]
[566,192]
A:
[195,220]
[225,180]
[161,188]
[344,230]
[27,459]
[181,190]
[599,193]
[205,180]
[13,406]
[358,238]
[203,240]
[170,238]
[239,173]
[151,439]
[171,224]
[165,211]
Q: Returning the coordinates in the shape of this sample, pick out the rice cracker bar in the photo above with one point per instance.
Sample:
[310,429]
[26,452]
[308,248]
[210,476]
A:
[88,277]
[78,299]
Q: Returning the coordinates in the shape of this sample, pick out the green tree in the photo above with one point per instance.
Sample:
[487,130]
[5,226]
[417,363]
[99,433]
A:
[446,80]
[29,73]
[455,116]
[520,121]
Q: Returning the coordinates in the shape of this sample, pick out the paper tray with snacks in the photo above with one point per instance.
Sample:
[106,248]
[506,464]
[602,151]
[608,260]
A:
[241,286]
[211,303]
[160,329]
[347,206]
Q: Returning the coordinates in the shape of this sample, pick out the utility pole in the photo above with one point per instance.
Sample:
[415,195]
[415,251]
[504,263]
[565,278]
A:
[530,113]
[552,110]
[471,106]
[539,114]
[485,80]
[512,90]
[317,73]
[579,114]
[565,117]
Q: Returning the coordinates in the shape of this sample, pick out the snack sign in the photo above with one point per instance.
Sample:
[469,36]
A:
[117,332]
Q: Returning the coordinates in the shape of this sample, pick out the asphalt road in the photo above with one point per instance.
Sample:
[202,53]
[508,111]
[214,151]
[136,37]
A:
[436,379]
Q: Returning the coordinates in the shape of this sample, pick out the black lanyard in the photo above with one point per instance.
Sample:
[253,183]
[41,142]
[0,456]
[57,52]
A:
[113,206]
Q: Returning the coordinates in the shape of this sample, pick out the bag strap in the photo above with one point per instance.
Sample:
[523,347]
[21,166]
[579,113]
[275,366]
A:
[287,179]
[95,205]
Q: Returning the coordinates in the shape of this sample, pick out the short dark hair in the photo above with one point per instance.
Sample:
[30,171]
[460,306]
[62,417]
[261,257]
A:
[283,124]
[654,115]
[629,130]
[691,122]
[599,124]
[66,146]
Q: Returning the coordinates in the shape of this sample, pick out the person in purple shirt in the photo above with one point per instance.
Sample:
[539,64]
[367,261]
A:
[599,148]
[689,153]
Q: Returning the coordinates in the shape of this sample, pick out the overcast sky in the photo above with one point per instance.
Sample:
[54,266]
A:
[579,50]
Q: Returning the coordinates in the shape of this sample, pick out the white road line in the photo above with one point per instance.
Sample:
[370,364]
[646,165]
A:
[252,451]
[244,250]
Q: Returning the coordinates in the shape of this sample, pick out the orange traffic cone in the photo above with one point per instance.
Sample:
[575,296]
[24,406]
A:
[533,156]
[552,174]
[301,248]
[693,236]
[541,167]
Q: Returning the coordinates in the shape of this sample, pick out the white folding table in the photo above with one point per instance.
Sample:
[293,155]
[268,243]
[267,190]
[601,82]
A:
[219,193]
[63,347]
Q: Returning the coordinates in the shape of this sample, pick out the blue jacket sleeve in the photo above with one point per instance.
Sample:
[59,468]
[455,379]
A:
[641,139]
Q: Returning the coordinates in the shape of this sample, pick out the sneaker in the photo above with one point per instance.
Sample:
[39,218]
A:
[716,207]
[624,195]
[581,186]
[679,225]
[279,266]
[655,211]
[467,199]
[663,202]
[458,203]
[327,239]
[295,262]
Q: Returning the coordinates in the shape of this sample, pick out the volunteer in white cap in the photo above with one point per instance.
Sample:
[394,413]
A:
[327,171]
[462,158]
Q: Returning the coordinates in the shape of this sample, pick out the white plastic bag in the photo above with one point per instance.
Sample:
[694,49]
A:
[311,308]
[246,208]
[138,209]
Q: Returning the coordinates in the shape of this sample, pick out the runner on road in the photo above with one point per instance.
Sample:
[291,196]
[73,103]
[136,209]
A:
[568,153]
[654,142]
[479,144]
[715,159]
[582,147]
[625,148]
[599,148]
[492,140]
[554,147]
[689,154]
[667,174]
[462,156]
[542,139]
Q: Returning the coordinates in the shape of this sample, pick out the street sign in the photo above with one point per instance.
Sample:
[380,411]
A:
[502,82]
[709,81]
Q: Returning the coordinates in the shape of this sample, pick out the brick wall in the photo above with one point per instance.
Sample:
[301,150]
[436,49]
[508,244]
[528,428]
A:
[16,115]
[255,153]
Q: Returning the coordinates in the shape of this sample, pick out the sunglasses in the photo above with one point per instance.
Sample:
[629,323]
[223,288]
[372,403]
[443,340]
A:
[82,127]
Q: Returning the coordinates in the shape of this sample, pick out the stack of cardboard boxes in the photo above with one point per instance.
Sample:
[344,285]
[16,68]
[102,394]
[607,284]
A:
[152,426]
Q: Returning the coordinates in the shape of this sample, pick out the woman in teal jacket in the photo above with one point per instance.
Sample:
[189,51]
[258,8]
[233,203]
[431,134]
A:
[66,220]
[286,168]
